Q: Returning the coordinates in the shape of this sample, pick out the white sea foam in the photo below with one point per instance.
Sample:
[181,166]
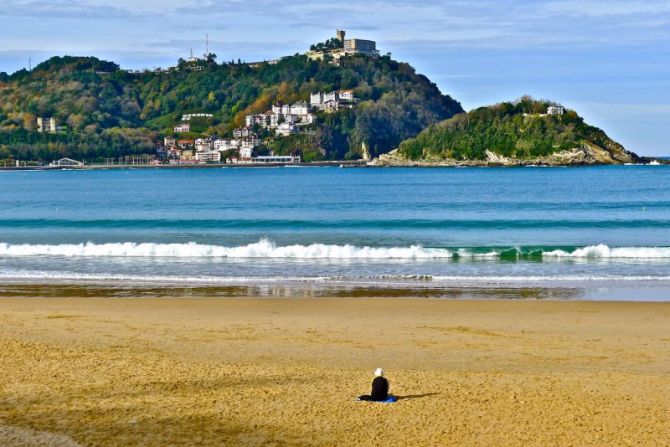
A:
[605,252]
[267,249]
[260,249]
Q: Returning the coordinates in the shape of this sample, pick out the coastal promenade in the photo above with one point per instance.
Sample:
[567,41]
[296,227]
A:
[343,163]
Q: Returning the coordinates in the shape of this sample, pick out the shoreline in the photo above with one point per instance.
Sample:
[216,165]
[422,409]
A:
[621,292]
[336,163]
[250,371]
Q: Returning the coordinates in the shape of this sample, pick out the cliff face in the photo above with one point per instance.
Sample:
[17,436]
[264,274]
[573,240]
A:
[510,134]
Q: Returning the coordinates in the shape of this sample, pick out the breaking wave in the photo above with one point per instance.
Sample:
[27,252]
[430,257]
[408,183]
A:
[260,249]
[267,249]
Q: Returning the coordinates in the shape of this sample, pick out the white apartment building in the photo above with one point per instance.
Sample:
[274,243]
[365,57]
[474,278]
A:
[246,152]
[333,101]
[227,145]
[169,142]
[286,129]
[262,119]
[242,132]
[208,156]
[203,144]
[46,125]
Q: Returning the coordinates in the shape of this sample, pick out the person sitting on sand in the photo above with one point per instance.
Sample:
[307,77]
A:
[380,388]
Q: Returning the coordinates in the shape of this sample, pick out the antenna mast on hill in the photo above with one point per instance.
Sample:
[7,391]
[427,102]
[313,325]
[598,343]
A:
[206,45]
[30,64]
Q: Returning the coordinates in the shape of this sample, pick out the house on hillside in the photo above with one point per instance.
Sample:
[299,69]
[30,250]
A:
[203,144]
[185,144]
[169,142]
[332,101]
[46,125]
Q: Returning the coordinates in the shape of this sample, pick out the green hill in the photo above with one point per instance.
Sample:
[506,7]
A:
[511,134]
[106,112]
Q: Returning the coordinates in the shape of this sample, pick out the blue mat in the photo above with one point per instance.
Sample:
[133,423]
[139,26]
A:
[390,400]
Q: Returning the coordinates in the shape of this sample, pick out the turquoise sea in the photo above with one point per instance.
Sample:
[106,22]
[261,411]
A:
[587,232]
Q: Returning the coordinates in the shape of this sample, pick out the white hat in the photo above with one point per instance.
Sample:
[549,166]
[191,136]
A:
[379,372]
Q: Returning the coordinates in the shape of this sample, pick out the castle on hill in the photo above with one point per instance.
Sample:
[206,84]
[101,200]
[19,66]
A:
[345,47]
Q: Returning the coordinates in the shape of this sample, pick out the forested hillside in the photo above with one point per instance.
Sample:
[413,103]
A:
[105,112]
[515,133]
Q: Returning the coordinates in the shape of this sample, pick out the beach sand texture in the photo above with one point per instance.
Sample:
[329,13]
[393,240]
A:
[158,372]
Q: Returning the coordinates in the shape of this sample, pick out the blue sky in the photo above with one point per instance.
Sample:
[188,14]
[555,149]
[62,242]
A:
[609,60]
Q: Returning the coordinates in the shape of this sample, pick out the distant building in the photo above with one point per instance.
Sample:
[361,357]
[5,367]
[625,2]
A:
[276,159]
[346,95]
[227,145]
[169,142]
[246,152]
[243,132]
[299,108]
[349,47]
[188,116]
[173,154]
[262,119]
[555,110]
[182,128]
[203,144]
[208,156]
[281,117]
[286,129]
[185,144]
[361,46]
[66,162]
[266,159]
[333,101]
[46,125]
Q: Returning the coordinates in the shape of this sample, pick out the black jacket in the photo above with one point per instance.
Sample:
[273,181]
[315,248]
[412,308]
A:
[380,389]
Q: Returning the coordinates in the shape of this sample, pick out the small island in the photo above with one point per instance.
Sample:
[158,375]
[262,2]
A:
[520,133]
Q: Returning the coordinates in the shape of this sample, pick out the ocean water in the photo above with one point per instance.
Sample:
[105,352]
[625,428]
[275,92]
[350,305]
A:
[588,232]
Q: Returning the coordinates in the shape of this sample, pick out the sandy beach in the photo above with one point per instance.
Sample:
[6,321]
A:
[246,371]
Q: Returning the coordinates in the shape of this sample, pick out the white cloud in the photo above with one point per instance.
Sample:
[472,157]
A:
[608,8]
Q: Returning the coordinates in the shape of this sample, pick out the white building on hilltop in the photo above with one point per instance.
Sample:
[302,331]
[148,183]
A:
[349,47]
[555,110]
[361,46]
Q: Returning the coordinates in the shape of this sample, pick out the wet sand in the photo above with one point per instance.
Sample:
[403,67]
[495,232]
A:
[245,371]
